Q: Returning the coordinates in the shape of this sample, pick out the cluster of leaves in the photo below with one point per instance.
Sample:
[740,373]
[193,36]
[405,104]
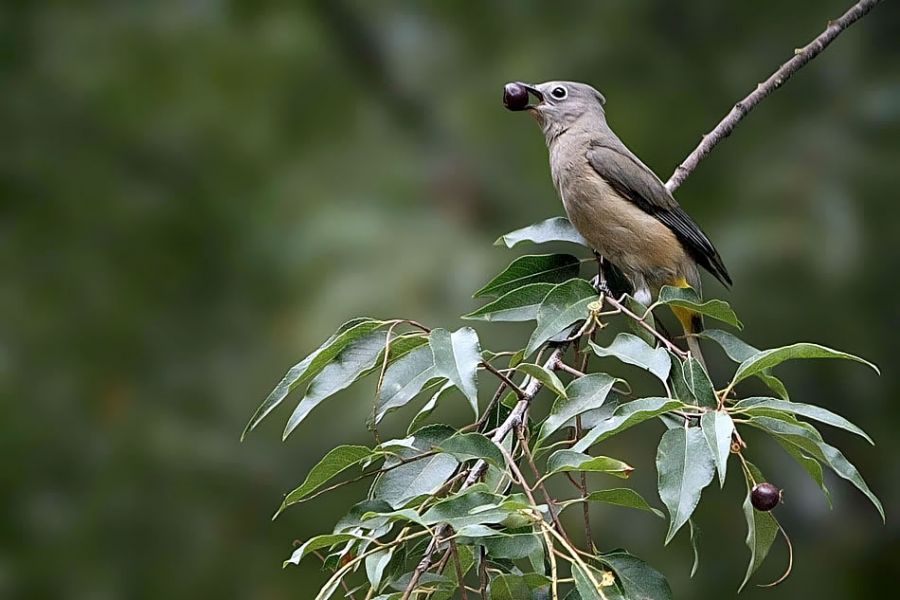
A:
[450,510]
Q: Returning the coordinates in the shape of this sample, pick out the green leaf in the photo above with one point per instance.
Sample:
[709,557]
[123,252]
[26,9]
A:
[500,545]
[509,587]
[354,517]
[586,588]
[556,229]
[684,466]
[376,564]
[583,394]
[639,580]
[718,428]
[688,298]
[625,497]
[698,383]
[317,542]
[566,304]
[568,460]
[807,439]
[337,460]
[310,366]
[466,559]
[626,415]
[461,510]
[770,358]
[809,464]
[404,379]
[429,406]
[762,528]
[540,268]
[816,413]
[518,305]
[456,357]
[353,360]
[739,351]
[545,376]
[468,446]
[419,477]
[633,350]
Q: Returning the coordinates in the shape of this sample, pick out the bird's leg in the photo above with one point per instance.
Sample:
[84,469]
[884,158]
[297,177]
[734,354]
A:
[599,280]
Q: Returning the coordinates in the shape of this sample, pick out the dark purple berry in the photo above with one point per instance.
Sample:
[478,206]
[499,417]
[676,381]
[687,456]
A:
[765,496]
[515,97]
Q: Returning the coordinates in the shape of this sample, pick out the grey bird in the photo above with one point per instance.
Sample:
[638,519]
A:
[616,202]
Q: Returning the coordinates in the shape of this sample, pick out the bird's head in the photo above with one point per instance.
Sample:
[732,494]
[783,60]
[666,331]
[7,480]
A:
[557,104]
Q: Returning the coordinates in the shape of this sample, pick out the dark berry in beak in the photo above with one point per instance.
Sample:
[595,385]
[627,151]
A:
[515,97]
[765,496]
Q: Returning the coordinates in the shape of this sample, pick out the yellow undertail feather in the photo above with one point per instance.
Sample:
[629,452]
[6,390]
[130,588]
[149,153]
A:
[691,322]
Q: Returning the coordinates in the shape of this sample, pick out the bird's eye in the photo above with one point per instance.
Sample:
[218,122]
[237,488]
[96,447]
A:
[558,92]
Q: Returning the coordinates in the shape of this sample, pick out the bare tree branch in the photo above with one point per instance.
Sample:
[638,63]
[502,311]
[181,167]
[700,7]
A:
[740,110]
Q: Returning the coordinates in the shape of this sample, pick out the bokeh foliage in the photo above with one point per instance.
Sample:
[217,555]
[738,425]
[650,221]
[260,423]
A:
[194,193]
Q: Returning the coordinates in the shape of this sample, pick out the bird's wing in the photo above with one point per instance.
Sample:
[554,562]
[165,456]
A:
[634,181]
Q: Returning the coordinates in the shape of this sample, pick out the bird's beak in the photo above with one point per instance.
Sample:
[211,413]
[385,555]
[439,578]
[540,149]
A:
[535,92]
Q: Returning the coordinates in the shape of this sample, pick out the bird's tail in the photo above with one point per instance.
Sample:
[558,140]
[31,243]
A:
[692,323]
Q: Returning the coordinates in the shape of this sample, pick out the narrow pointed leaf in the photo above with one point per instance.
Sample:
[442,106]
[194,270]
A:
[625,416]
[310,366]
[564,305]
[545,376]
[685,466]
[638,579]
[816,413]
[739,351]
[317,542]
[587,590]
[518,305]
[568,460]
[688,298]
[770,358]
[541,268]
[354,360]
[718,428]
[808,439]
[625,497]
[429,406]
[337,460]
[456,357]
[699,384]
[809,464]
[633,350]
[376,564]
[556,229]
[583,394]
[404,379]
[762,528]
[509,587]
[418,477]
[468,446]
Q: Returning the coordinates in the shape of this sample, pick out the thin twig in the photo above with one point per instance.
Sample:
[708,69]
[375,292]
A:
[551,503]
[775,81]
[640,321]
[561,366]
[459,573]
[504,378]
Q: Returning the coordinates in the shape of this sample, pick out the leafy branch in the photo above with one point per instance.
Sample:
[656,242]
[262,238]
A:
[469,520]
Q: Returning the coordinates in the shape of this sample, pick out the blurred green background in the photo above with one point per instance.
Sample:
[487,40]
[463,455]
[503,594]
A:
[195,193]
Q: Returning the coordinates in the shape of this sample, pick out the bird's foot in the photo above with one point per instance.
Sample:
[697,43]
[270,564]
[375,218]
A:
[599,283]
